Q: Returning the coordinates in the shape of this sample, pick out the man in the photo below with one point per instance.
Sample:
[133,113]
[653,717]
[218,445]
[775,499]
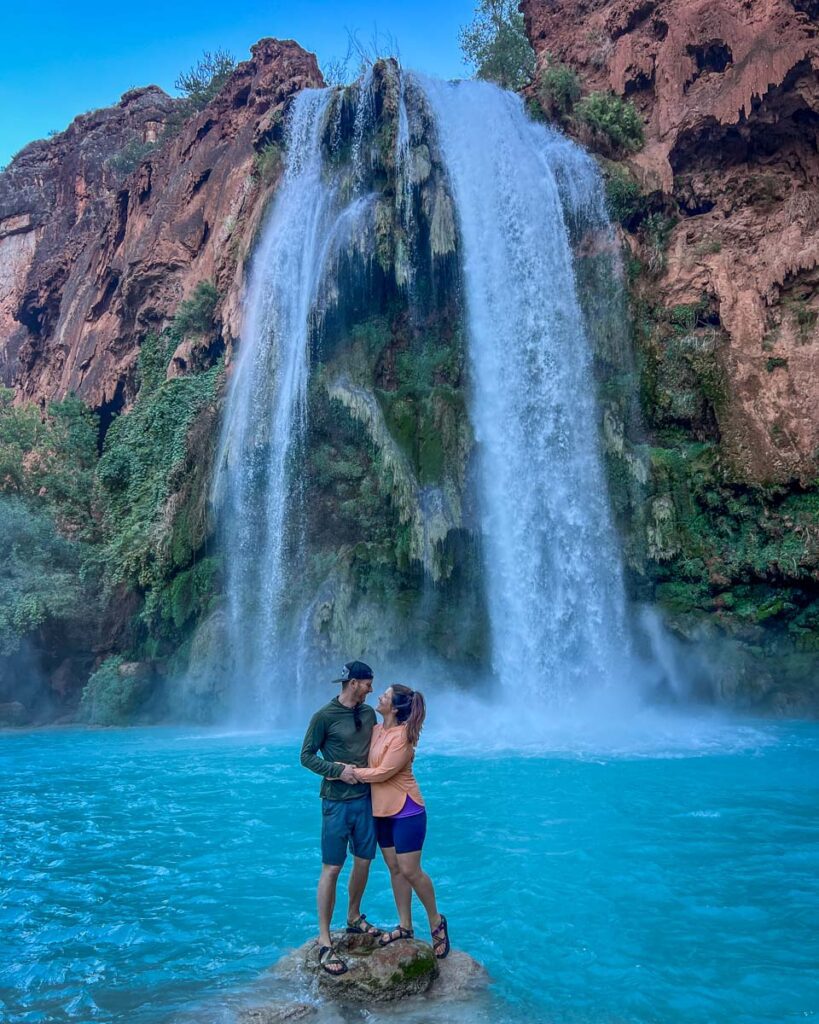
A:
[341,731]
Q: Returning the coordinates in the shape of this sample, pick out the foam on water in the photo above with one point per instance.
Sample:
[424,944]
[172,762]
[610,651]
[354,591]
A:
[152,876]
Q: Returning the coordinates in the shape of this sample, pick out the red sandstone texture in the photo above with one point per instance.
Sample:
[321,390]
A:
[91,259]
[729,91]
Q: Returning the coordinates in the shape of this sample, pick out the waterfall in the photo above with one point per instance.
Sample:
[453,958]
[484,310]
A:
[551,574]
[266,407]
[552,568]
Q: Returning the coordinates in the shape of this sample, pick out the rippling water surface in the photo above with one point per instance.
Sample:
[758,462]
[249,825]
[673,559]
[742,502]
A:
[152,875]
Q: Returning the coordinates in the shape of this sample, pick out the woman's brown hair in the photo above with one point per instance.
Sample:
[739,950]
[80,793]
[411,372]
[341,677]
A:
[410,708]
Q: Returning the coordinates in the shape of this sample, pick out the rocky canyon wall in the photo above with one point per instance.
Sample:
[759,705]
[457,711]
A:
[717,474]
[96,254]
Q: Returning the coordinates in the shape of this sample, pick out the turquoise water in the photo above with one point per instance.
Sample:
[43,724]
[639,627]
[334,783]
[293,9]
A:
[152,875]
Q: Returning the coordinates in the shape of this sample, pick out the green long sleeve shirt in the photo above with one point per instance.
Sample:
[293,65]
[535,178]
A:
[332,731]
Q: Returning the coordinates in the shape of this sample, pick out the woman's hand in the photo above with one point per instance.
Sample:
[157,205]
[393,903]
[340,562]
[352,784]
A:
[348,775]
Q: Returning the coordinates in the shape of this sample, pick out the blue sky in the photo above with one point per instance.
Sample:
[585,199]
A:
[61,59]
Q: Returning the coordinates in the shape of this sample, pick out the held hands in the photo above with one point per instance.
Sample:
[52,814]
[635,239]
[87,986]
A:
[348,775]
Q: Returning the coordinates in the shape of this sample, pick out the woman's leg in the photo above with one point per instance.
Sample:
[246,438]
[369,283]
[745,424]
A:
[411,871]
[401,888]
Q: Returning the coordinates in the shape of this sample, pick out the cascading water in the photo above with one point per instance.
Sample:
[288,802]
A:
[552,568]
[265,419]
[552,575]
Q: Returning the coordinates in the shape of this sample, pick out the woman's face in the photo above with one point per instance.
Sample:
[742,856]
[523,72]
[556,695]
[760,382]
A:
[384,705]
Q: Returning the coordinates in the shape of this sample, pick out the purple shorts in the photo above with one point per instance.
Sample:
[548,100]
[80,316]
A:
[405,834]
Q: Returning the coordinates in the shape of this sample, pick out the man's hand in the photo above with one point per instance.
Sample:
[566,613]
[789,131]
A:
[348,775]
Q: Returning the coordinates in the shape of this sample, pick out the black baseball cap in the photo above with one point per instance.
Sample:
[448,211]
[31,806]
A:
[355,670]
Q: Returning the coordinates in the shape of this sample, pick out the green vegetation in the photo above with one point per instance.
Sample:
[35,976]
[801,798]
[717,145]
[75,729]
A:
[805,321]
[775,363]
[130,156]
[44,577]
[48,459]
[114,694]
[82,531]
[195,315]
[198,87]
[267,163]
[47,525]
[707,247]
[715,552]
[613,120]
[152,482]
[203,81]
[496,46]
[687,317]
[423,412]
[558,89]
[656,231]
[624,197]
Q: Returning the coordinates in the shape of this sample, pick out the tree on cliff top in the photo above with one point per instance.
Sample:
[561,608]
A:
[495,44]
[206,77]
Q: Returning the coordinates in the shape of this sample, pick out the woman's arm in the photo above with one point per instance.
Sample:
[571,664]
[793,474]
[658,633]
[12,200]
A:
[396,759]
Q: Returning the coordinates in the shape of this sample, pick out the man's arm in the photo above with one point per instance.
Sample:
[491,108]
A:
[313,740]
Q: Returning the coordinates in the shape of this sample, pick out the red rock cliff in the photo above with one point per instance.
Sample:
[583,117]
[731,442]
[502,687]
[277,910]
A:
[729,93]
[91,258]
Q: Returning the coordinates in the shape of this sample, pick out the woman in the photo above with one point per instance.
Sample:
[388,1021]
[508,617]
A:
[398,808]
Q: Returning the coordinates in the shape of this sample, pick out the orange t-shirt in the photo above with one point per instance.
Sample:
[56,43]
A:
[390,771]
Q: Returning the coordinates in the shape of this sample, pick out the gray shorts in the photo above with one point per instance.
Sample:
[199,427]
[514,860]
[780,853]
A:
[343,822]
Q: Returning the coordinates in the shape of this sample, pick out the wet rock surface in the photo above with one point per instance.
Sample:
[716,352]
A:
[403,969]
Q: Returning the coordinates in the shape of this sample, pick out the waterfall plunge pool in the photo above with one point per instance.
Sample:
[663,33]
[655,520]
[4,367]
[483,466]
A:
[152,875]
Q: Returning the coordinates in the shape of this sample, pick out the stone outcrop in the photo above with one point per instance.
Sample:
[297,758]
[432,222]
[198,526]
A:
[729,94]
[94,255]
[385,974]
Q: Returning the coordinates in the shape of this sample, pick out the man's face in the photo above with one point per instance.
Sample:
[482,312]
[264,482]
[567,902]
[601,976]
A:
[360,688]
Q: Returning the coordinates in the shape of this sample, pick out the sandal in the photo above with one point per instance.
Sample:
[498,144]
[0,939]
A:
[329,958]
[440,938]
[361,926]
[403,933]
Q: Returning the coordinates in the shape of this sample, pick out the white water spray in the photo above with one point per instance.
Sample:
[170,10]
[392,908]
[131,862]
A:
[265,418]
[552,568]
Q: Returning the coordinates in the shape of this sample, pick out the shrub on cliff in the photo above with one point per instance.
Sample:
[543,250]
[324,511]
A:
[130,156]
[195,315]
[613,120]
[152,483]
[496,46]
[205,78]
[558,89]
[624,197]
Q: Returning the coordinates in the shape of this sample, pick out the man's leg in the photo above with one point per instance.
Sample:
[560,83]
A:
[333,855]
[358,882]
[363,845]
[326,900]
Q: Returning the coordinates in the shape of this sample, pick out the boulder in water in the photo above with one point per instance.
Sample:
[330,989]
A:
[386,973]
[458,976]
